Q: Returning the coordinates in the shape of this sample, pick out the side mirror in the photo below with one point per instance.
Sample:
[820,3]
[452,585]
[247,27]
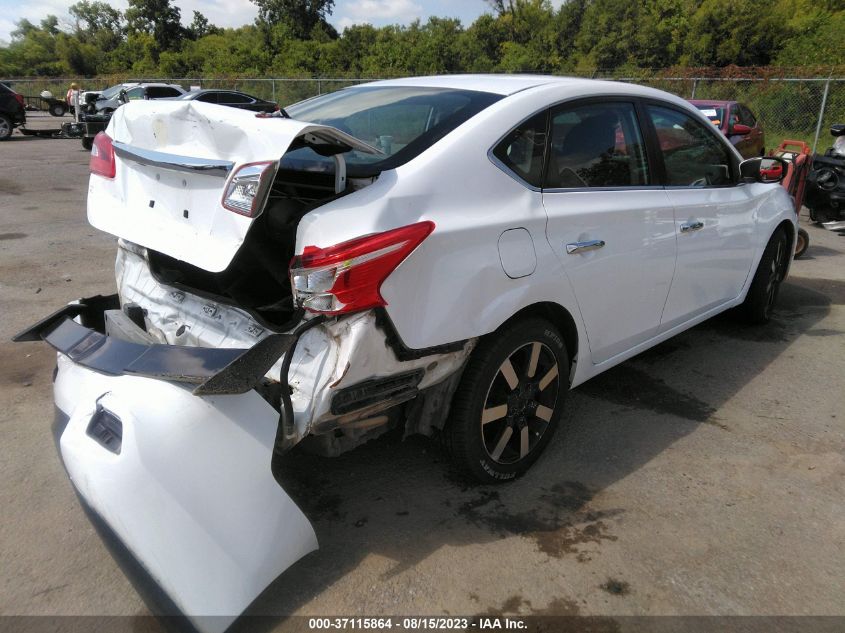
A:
[740,128]
[768,170]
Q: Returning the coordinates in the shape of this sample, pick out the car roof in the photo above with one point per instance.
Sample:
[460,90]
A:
[203,91]
[497,84]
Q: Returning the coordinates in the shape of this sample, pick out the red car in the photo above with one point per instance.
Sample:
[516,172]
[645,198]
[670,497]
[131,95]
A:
[737,123]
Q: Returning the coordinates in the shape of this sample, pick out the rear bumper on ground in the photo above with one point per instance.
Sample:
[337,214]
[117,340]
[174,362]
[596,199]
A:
[183,486]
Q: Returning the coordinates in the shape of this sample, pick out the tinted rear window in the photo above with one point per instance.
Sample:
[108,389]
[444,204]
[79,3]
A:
[401,121]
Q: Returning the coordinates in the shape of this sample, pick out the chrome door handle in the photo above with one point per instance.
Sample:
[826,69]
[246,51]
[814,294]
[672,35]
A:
[689,227]
[581,247]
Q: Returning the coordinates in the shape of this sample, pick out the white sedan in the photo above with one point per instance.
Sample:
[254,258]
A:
[451,254]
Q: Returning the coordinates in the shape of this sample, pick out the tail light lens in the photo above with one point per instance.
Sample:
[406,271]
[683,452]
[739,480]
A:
[102,156]
[348,277]
[248,187]
[20,100]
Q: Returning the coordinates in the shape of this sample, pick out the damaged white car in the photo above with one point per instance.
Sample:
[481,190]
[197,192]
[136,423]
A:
[451,254]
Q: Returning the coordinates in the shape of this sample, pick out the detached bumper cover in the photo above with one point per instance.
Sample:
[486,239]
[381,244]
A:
[183,482]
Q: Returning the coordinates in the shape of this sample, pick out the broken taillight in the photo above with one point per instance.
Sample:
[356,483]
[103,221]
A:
[247,189]
[348,277]
[102,156]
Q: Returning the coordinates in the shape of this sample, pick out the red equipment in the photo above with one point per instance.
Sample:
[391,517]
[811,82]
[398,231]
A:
[799,157]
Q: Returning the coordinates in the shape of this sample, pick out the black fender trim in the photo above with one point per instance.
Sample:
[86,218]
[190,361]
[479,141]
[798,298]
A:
[402,351]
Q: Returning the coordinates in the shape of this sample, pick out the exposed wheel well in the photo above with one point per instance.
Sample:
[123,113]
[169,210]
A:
[789,227]
[557,315]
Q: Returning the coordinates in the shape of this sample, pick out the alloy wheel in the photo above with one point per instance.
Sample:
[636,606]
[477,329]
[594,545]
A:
[520,402]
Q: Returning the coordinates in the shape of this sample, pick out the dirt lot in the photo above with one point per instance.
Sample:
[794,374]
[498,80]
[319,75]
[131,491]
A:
[703,477]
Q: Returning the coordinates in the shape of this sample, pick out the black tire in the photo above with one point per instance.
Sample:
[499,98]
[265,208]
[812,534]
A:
[763,293]
[87,143]
[802,244]
[5,128]
[521,420]
[57,109]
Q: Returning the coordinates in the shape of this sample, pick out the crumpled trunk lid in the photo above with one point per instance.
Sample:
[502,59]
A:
[174,160]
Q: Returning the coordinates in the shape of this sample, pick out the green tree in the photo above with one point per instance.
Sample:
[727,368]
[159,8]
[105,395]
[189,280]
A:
[159,19]
[200,27]
[299,16]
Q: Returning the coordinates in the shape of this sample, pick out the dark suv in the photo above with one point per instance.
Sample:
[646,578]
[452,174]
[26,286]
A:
[12,112]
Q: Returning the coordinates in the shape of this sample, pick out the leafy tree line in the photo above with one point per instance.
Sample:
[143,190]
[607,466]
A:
[294,38]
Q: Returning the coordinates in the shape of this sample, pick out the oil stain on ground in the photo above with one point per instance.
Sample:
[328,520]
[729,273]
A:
[559,523]
[616,587]
[10,187]
[12,236]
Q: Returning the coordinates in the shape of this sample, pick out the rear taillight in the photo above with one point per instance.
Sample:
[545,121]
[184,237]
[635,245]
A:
[19,99]
[102,156]
[247,189]
[348,277]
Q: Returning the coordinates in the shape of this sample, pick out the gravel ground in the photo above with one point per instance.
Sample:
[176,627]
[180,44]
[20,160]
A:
[704,477]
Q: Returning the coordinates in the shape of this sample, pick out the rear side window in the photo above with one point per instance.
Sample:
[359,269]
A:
[401,121]
[234,97]
[746,117]
[692,154]
[596,145]
[161,92]
[523,149]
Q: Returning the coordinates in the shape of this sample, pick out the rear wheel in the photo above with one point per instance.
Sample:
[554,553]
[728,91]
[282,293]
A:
[5,127]
[763,293]
[87,143]
[57,109]
[509,401]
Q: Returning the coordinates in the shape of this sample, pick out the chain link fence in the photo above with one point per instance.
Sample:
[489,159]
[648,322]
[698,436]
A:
[788,108]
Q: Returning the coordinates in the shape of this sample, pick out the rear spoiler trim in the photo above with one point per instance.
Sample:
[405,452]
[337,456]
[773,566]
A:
[174,162]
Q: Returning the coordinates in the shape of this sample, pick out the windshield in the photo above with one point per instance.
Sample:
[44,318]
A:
[110,93]
[401,121]
[715,113]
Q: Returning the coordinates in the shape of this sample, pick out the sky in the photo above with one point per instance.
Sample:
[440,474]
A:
[238,12]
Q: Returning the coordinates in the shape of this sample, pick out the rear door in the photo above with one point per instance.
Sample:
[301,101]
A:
[610,223]
[714,214]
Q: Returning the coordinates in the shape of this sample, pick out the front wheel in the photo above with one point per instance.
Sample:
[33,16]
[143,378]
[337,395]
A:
[763,293]
[57,109]
[509,401]
[87,143]
[5,127]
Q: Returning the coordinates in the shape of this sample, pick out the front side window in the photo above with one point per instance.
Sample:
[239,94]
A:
[208,97]
[135,94]
[596,145]
[523,149]
[692,154]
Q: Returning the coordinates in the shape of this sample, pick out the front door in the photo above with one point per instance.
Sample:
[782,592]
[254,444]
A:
[611,227]
[714,215]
